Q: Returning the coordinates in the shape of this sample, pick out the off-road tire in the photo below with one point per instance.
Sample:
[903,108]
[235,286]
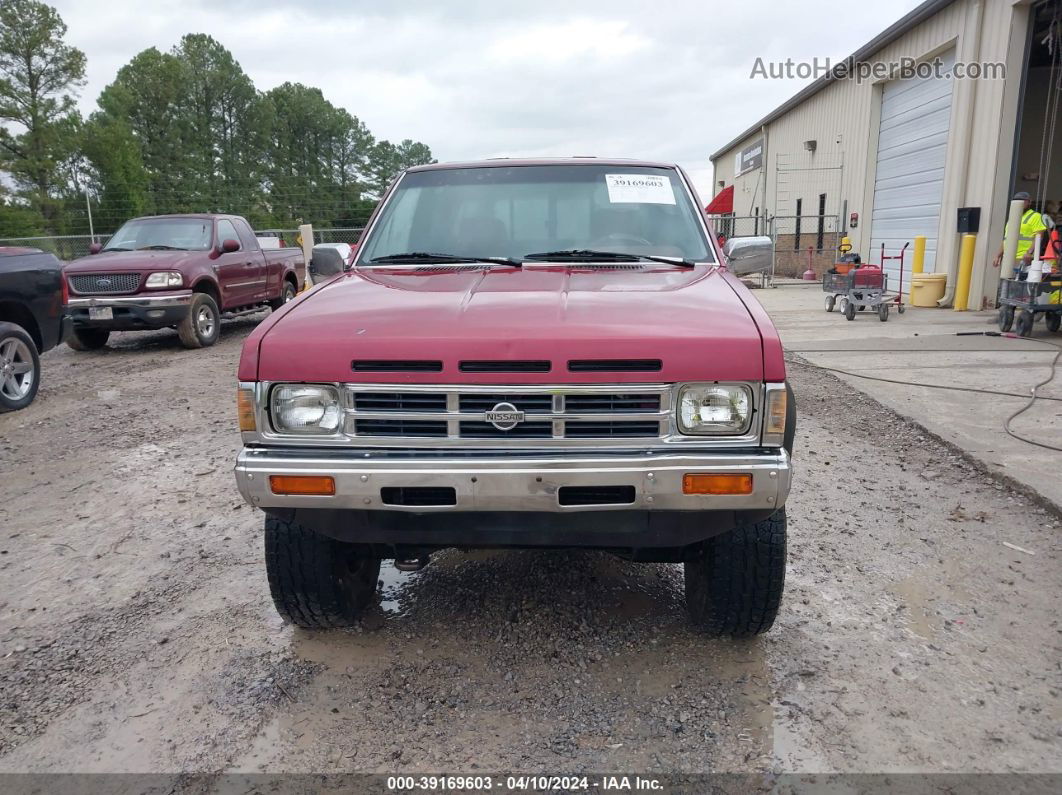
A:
[192,329]
[88,339]
[734,585]
[316,581]
[287,294]
[15,340]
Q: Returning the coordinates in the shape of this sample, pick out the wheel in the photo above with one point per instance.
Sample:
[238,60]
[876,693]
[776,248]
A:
[88,339]
[287,295]
[1006,318]
[849,310]
[20,368]
[734,584]
[1053,321]
[901,308]
[202,325]
[317,582]
[1024,324]
[831,301]
[883,312]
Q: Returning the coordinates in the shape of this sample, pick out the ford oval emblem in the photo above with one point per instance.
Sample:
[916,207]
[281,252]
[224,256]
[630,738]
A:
[103,283]
[504,416]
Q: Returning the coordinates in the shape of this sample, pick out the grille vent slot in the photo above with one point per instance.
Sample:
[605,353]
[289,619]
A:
[615,365]
[396,366]
[527,366]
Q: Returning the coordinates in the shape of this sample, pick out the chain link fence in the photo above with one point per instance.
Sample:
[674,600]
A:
[68,247]
[804,241]
[65,247]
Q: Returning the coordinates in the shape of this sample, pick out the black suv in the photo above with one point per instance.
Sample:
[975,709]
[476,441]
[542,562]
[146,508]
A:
[33,320]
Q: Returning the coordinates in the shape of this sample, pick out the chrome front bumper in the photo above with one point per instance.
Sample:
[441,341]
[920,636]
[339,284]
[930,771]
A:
[183,298]
[507,482]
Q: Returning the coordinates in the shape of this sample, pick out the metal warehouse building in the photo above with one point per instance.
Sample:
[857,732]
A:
[882,160]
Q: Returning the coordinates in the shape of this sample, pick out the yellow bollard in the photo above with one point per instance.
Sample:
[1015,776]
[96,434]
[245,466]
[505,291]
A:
[962,283]
[919,254]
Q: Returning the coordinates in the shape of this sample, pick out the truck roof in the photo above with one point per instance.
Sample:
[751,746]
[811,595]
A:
[205,216]
[500,162]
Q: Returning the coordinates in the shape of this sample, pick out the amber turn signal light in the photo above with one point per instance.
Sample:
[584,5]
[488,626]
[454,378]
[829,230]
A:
[716,484]
[245,409]
[312,485]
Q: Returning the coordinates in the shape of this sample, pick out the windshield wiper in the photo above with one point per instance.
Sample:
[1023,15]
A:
[115,248]
[591,255]
[161,247]
[426,257]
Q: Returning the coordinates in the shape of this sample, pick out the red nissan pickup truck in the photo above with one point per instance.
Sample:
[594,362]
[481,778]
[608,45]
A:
[177,271]
[524,354]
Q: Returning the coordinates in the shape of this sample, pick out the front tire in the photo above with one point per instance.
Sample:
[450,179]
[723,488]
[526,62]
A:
[734,584]
[831,301]
[20,368]
[201,327]
[88,339]
[317,582]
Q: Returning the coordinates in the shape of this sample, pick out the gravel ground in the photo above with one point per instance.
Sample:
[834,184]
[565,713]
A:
[136,631]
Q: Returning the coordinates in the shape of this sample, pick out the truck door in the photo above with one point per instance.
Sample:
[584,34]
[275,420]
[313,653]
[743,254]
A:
[239,272]
[268,274]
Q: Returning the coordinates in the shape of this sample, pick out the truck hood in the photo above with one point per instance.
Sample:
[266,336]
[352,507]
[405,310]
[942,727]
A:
[118,261]
[691,320]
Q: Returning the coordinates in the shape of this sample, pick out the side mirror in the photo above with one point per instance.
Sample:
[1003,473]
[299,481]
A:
[747,255]
[229,245]
[326,262]
[95,248]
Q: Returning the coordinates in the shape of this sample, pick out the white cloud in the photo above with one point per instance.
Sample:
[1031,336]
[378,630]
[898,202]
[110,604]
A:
[563,41]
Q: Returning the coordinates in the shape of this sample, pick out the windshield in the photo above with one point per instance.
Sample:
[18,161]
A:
[512,212]
[163,233]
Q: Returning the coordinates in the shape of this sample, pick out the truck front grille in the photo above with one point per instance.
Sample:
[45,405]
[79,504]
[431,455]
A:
[549,414]
[103,283]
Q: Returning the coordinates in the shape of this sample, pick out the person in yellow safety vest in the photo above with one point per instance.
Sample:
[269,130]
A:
[1032,223]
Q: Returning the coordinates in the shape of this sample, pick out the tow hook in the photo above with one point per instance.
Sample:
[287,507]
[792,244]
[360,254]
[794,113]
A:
[412,564]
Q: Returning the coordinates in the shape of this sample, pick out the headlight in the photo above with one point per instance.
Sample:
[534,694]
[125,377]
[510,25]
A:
[297,408]
[706,409]
[164,279]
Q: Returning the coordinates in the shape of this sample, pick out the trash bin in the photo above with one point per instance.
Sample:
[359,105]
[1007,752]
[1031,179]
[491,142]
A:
[927,288]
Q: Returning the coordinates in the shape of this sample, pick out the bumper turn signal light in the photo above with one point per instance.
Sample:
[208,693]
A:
[309,485]
[716,484]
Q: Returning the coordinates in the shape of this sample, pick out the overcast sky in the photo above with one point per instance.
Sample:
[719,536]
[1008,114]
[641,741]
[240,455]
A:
[661,80]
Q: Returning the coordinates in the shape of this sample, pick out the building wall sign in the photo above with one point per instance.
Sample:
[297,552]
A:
[751,157]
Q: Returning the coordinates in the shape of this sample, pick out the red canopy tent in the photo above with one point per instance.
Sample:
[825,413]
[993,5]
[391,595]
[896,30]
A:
[723,203]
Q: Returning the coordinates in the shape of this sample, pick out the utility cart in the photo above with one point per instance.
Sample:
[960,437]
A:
[858,290]
[1032,298]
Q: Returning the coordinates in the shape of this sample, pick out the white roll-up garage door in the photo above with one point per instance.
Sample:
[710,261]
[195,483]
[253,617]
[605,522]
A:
[909,180]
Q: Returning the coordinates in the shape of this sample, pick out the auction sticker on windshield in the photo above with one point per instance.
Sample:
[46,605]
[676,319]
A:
[639,189]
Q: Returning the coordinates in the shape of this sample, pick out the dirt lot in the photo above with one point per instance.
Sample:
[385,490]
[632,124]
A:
[137,634]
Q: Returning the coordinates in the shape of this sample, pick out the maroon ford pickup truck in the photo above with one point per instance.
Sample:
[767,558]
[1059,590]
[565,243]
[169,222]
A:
[524,354]
[178,271]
